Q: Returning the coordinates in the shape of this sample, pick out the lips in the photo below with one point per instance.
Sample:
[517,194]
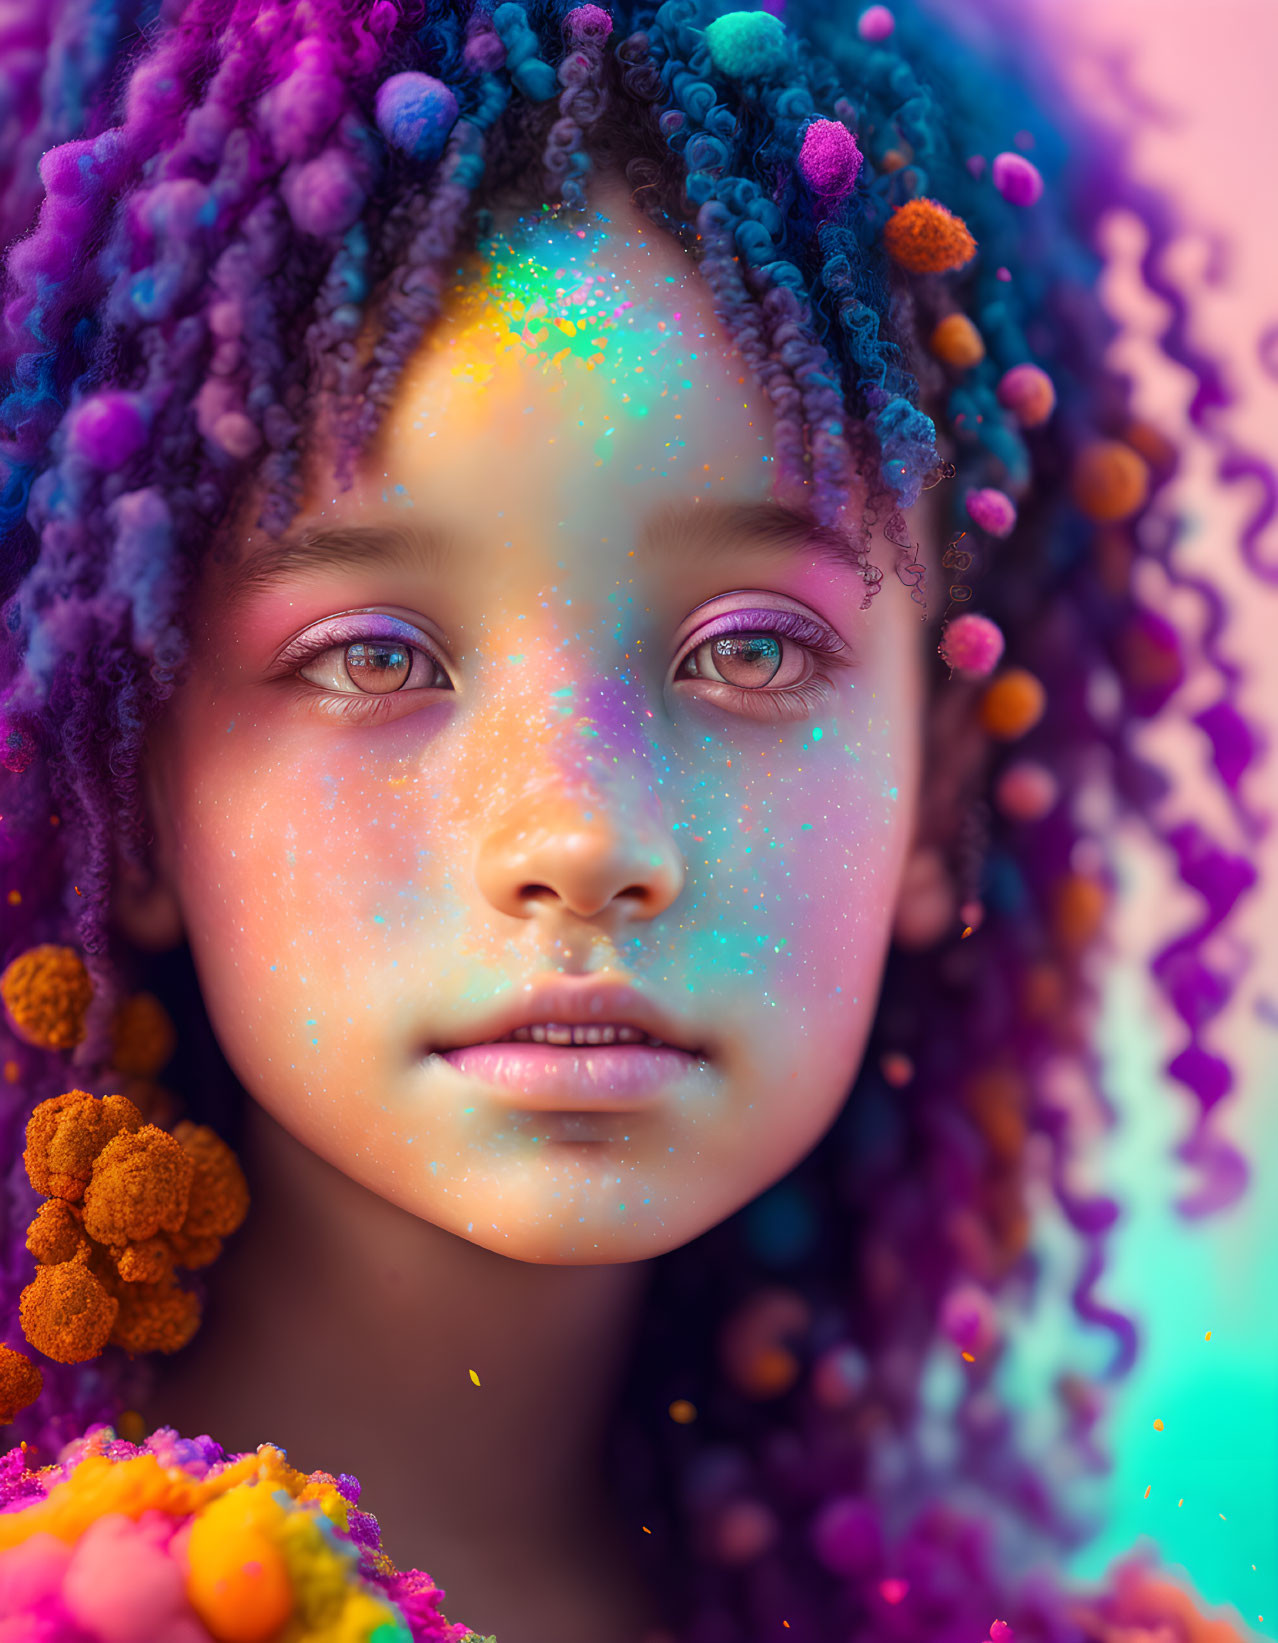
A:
[578,1044]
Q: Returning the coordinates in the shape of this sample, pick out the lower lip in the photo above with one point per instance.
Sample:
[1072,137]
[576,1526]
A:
[594,1075]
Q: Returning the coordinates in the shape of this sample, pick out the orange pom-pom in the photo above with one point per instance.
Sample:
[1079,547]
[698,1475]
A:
[1012,705]
[47,992]
[193,1252]
[155,1318]
[66,1312]
[219,1193]
[1079,904]
[20,1383]
[1110,481]
[142,1035]
[56,1234]
[141,1185]
[238,1582]
[925,238]
[1152,444]
[65,1135]
[148,1262]
[957,342]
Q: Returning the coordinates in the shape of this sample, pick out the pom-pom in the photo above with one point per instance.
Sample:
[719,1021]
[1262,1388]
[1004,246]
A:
[1017,179]
[238,1582]
[1026,791]
[157,1317]
[56,1235]
[967,1319]
[956,341]
[994,511]
[753,1347]
[876,23]
[1013,704]
[972,645]
[897,1069]
[219,1196]
[66,1312]
[20,1383]
[107,430]
[1028,392]
[65,1135]
[1000,1632]
[324,196]
[925,238]
[587,23]
[744,1531]
[747,45]
[415,112]
[142,1036]
[829,159]
[47,993]
[140,1185]
[1079,905]
[1110,481]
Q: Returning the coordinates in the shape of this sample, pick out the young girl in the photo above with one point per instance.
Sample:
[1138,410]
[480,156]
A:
[572,624]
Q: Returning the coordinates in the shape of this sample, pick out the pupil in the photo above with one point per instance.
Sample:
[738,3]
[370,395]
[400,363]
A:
[378,667]
[747,658]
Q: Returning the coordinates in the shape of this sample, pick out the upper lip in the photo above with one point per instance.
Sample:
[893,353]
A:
[579,1000]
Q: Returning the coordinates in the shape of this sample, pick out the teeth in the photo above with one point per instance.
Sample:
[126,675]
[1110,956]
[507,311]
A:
[553,1032]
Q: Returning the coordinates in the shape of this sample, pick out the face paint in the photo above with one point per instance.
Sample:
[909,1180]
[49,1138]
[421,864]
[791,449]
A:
[634,733]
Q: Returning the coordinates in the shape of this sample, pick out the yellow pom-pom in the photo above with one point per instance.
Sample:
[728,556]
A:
[238,1582]
[1012,705]
[66,1313]
[47,992]
[142,1036]
[1110,481]
[20,1383]
[957,342]
[925,238]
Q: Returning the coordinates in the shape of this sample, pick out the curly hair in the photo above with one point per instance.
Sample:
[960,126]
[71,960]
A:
[247,207]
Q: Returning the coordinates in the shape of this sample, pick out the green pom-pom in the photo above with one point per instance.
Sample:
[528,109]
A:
[747,44]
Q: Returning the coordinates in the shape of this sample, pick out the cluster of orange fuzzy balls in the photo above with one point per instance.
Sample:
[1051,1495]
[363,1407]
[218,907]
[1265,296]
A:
[127,1203]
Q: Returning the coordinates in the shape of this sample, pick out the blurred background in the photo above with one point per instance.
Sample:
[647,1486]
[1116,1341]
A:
[1204,1488]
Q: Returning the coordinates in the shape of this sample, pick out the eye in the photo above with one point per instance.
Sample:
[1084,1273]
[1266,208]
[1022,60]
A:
[373,667]
[770,664]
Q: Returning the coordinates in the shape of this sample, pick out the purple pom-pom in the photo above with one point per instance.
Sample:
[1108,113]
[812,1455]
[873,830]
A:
[829,159]
[107,430]
[994,511]
[587,23]
[415,112]
[324,196]
[972,644]
[876,23]
[1017,179]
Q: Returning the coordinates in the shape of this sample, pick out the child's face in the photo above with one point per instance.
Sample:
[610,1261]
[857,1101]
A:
[493,735]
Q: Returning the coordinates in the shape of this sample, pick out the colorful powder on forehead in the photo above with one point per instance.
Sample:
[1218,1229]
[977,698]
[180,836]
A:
[554,297]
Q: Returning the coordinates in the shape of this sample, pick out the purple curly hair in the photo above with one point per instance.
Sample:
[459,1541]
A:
[231,198]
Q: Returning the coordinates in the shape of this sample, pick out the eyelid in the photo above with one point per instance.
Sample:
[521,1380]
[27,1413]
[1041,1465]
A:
[346,629]
[820,637]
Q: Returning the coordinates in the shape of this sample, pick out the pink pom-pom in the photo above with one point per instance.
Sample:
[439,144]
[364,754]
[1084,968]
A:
[1028,392]
[972,644]
[897,1069]
[587,23]
[976,165]
[324,196]
[120,1585]
[1004,274]
[31,1572]
[875,24]
[1000,1632]
[745,1529]
[1017,179]
[967,1319]
[829,159]
[1026,791]
[846,1536]
[994,511]
[107,430]
[237,434]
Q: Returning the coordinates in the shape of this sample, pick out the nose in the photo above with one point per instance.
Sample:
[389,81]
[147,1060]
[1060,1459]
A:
[584,858]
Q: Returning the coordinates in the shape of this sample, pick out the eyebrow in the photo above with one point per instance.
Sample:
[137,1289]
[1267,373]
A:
[718,529]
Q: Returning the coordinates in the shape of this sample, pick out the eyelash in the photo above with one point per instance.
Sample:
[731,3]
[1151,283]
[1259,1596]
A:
[791,702]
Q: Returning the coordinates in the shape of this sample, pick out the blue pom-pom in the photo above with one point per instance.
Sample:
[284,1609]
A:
[747,44]
[415,113]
